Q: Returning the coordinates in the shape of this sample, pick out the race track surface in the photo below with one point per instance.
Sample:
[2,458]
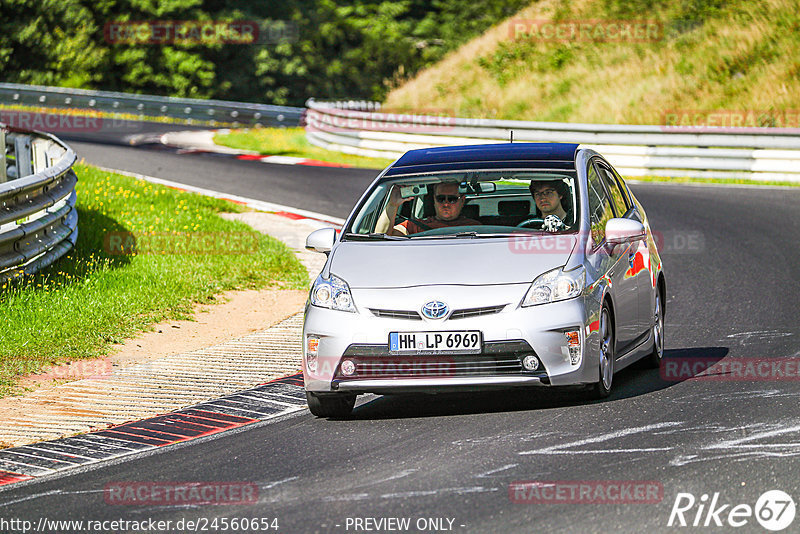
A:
[730,256]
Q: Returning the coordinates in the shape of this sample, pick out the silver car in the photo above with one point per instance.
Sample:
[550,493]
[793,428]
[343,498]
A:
[486,266]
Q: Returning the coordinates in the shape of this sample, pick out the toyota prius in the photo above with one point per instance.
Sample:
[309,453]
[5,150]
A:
[478,267]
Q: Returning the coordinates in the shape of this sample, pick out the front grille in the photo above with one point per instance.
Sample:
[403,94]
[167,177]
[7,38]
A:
[457,314]
[476,312]
[433,366]
[396,314]
[497,358]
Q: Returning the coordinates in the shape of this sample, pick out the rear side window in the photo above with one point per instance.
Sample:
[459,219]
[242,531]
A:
[599,206]
[617,196]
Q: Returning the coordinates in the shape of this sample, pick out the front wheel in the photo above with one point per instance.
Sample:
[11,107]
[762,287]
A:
[602,388]
[653,359]
[330,405]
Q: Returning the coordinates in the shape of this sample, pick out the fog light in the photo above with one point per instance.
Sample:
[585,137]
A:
[348,367]
[574,346]
[530,362]
[312,350]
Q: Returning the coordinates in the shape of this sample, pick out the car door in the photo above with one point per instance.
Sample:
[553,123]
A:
[623,287]
[639,266]
[646,281]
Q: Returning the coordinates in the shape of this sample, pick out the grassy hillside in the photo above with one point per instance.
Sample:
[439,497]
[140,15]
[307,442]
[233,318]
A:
[710,55]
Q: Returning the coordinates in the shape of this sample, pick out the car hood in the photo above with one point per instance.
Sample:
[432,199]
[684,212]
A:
[463,261]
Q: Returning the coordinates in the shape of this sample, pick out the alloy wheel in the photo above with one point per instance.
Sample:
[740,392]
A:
[606,350]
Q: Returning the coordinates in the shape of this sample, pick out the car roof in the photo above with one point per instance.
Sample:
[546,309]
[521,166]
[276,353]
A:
[491,156]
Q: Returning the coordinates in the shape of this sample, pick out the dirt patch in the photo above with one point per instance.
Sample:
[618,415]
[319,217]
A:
[234,314]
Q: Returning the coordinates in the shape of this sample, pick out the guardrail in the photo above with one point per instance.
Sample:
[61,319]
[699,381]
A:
[38,220]
[671,151]
[213,112]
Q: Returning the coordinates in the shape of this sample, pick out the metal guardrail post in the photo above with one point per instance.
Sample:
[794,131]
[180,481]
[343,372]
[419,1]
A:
[39,160]
[4,163]
[22,156]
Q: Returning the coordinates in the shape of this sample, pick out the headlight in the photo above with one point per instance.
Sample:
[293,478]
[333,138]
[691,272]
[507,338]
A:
[555,285]
[332,293]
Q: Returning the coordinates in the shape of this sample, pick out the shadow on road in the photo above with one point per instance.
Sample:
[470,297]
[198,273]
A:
[631,382]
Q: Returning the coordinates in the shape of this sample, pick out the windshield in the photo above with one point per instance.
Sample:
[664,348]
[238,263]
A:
[469,204]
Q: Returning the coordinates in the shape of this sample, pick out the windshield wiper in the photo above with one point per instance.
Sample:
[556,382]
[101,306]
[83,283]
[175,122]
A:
[445,236]
[374,236]
[517,234]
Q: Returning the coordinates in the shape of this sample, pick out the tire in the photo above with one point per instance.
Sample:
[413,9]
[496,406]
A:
[602,388]
[335,406]
[653,360]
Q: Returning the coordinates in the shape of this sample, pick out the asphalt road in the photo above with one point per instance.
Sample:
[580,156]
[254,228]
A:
[732,269]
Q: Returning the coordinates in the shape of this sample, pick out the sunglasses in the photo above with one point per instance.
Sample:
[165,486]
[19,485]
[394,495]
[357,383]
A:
[449,199]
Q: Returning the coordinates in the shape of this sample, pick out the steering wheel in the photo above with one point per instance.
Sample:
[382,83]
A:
[416,221]
[528,223]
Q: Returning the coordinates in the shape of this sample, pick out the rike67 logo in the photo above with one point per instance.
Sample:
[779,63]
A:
[774,510]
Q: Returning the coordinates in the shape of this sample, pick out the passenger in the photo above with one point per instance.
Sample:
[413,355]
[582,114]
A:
[551,197]
[447,201]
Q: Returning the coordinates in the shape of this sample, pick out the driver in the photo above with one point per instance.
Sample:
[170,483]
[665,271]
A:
[446,199]
[550,197]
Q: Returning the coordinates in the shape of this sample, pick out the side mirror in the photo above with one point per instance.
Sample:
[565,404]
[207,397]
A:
[321,240]
[623,231]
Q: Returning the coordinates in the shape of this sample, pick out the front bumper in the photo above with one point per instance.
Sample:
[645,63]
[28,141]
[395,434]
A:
[507,336]
[439,385]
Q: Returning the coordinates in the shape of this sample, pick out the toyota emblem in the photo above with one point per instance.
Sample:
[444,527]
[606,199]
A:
[435,310]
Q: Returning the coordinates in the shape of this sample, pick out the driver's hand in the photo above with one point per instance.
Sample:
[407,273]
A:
[395,198]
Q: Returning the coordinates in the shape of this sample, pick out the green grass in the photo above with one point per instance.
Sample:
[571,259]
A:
[724,181]
[92,298]
[292,142]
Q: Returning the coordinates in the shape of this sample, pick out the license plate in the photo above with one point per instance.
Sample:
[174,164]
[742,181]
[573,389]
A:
[460,342]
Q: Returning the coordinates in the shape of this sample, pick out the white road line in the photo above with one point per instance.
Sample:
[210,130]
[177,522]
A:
[559,449]
[270,485]
[736,443]
[438,492]
[607,451]
[493,471]
[29,497]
